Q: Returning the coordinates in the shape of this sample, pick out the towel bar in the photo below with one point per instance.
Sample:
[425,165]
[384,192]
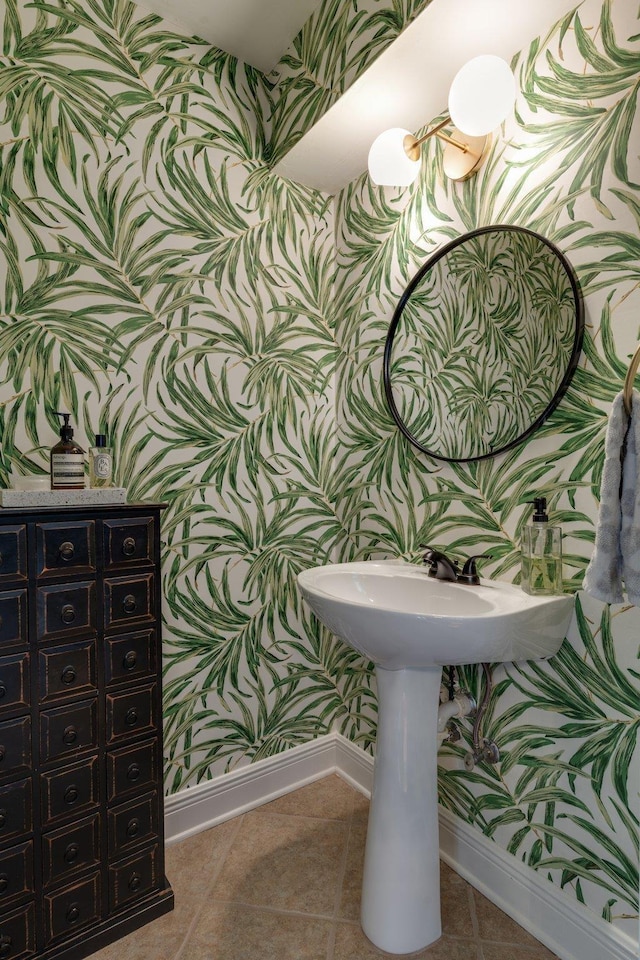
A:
[628,380]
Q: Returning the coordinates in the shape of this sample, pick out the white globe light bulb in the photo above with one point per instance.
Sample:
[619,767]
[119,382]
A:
[481,95]
[388,162]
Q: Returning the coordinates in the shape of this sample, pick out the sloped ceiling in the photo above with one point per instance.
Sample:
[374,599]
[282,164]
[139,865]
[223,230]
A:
[408,85]
[256,31]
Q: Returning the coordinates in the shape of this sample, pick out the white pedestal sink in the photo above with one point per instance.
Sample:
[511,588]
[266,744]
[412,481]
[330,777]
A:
[411,626]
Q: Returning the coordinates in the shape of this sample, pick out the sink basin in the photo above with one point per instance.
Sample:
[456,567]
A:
[411,625]
[397,616]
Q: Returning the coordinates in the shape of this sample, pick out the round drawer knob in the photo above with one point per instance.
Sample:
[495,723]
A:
[70,735]
[68,613]
[128,546]
[3,818]
[73,913]
[135,881]
[6,945]
[131,717]
[67,550]
[4,882]
[71,794]
[129,660]
[68,675]
[133,827]
[3,752]
[133,771]
[3,690]
[129,603]
[71,853]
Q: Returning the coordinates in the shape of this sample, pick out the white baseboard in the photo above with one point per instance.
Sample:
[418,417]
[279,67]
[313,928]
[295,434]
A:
[561,923]
[565,926]
[207,804]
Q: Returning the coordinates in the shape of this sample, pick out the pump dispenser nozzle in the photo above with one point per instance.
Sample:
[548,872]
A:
[66,430]
[539,509]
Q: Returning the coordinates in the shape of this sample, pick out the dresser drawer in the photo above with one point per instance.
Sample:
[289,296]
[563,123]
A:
[15,810]
[13,618]
[134,878]
[66,730]
[131,657]
[67,671]
[132,769]
[13,553]
[65,548]
[18,934]
[133,824]
[128,542]
[131,713]
[71,909]
[16,873]
[128,601]
[15,747]
[14,683]
[70,849]
[72,791]
[66,610]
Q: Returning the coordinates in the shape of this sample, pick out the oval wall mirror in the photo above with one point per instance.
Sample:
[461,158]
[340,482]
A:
[483,343]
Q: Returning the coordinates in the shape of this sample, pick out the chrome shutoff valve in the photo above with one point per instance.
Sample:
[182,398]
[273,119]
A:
[488,753]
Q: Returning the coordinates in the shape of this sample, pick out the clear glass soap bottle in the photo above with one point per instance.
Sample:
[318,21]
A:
[100,463]
[541,550]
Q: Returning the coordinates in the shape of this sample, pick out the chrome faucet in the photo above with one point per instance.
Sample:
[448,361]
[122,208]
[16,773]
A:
[441,568]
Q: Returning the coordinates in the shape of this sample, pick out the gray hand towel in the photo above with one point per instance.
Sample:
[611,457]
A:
[615,564]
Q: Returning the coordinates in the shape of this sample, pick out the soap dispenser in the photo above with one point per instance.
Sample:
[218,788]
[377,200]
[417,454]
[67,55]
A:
[541,553]
[67,459]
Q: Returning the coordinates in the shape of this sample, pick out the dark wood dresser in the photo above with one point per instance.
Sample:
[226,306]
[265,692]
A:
[81,811]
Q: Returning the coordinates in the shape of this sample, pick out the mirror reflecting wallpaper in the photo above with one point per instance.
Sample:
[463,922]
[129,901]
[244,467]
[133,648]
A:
[483,344]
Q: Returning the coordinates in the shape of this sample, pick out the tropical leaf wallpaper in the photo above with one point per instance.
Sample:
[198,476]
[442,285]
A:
[225,328]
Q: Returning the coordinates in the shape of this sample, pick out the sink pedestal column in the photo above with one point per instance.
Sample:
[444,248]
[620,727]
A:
[401,884]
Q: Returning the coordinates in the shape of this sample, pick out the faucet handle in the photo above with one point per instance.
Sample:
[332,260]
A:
[470,571]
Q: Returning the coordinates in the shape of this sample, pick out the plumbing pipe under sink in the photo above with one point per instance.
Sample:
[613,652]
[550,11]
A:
[460,706]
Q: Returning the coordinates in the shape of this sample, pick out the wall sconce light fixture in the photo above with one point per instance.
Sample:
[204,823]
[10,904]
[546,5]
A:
[481,95]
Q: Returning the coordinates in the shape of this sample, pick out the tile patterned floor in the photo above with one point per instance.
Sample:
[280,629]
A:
[283,883]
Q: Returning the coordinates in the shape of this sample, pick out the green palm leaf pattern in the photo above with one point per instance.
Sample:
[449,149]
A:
[226,326]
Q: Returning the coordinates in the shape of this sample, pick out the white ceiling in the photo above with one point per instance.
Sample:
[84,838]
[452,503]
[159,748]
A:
[256,31]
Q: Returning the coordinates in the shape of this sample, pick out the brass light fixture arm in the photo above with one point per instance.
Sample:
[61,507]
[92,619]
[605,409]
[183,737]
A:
[412,144]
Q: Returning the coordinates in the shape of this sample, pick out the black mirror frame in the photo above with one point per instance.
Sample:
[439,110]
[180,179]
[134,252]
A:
[571,366]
